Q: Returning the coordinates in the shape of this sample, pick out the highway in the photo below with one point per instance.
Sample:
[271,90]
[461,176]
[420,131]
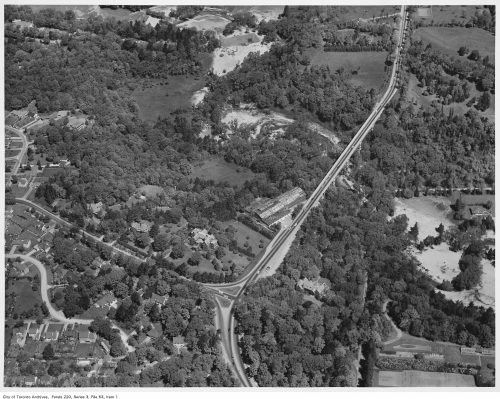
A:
[235,290]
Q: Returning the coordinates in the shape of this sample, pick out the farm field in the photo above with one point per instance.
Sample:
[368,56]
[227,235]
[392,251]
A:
[370,65]
[413,378]
[449,40]
[26,298]
[219,170]
[158,100]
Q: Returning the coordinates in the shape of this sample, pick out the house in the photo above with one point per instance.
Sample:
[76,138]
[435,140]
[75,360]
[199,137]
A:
[106,302]
[312,286]
[19,335]
[488,351]
[86,336]
[179,343]
[52,331]
[95,208]
[155,331]
[22,243]
[158,299]
[478,211]
[20,270]
[34,331]
[143,226]
[201,236]
[30,380]
[468,351]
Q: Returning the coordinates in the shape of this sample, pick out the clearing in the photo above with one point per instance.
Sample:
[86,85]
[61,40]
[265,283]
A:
[483,295]
[219,170]
[414,378]
[427,212]
[26,298]
[206,21]
[367,67]
[247,115]
[241,44]
[245,235]
[158,98]
[449,40]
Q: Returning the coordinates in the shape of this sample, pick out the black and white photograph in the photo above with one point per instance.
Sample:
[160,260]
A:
[248,196]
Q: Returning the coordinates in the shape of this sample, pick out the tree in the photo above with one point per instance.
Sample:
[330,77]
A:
[195,259]
[413,233]
[484,101]
[48,352]
[463,50]
[474,55]
[161,242]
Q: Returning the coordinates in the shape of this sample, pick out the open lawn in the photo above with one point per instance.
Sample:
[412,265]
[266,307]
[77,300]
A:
[369,66]
[11,153]
[449,40]
[26,298]
[205,22]
[415,95]
[240,40]
[245,234]
[219,170]
[413,378]
[157,100]
[366,12]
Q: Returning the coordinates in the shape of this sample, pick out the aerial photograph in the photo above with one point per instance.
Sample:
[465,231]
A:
[249,196]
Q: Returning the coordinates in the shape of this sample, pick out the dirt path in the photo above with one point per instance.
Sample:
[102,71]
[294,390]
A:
[399,333]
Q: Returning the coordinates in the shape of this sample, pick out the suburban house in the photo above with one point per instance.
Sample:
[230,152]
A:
[86,336]
[52,331]
[34,331]
[95,208]
[202,236]
[106,302]
[142,227]
[179,343]
[478,211]
[158,299]
[312,286]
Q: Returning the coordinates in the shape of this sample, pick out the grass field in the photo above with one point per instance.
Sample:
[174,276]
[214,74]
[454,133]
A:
[354,12]
[449,40]
[219,170]
[11,153]
[413,378]
[240,40]
[206,22]
[370,65]
[26,298]
[245,234]
[445,14]
[158,100]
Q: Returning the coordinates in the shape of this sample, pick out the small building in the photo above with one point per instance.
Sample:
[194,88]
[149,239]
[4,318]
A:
[30,380]
[106,302]
[478,211]
[85,336]
[95,208]
[143,226]
[202,236]
[488,351]
[52,331]
[34,331]
[179,343]
[312,286]
[468,351]
[159,299]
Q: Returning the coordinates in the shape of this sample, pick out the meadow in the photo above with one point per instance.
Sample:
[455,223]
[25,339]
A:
[219,170]
[368,65]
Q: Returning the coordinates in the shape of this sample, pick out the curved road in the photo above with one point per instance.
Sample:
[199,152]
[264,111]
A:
[58,314]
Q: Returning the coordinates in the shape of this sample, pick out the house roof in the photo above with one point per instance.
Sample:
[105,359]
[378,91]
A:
[178,340]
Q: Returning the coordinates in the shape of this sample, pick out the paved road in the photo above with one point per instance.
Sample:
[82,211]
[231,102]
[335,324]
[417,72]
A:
[235,290]
[63,222]
[24,149]
[44,289]
[58,314]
